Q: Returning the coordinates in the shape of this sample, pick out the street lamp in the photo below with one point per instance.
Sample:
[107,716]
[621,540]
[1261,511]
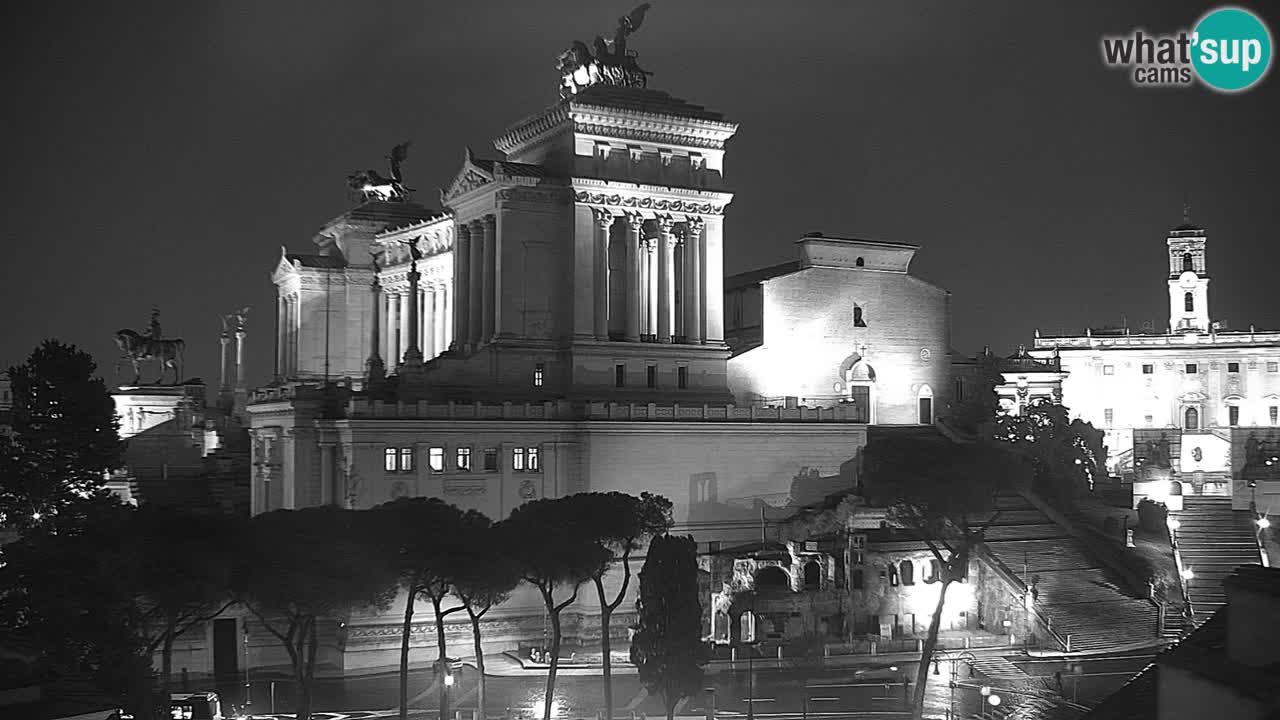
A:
[1187,574]
[1263,523]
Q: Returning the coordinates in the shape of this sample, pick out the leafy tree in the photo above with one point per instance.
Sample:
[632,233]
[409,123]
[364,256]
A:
[64,437]
[619,523]
[553,550]
[69,586]
[945,493]
[667,647]
[302,566]
[427,537]
[186,563]
[1066,455]
[485,577]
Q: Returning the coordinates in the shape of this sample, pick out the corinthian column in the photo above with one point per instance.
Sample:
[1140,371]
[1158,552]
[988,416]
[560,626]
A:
[604,221]
[693,281]
[461,281]
[377,371]
[475,285]
[666,275]
[412,351]
[489,281]
[651,287]
[634,222]
[431,348]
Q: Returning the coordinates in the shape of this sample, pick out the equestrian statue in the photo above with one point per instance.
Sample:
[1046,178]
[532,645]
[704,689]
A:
[137,348]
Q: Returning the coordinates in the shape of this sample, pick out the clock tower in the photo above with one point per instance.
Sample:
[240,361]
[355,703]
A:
[1188,278]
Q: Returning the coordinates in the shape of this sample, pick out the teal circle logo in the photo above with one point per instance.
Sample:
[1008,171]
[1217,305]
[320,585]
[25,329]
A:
[1231,49]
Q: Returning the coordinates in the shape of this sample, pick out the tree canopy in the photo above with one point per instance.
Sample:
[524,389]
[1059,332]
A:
[667,648]
[65,435]
[1067,455]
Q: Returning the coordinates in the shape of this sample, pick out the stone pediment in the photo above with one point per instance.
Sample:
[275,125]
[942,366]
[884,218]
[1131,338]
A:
[284,266]
[472,175]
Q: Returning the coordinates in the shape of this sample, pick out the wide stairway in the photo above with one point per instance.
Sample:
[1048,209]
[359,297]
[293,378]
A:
[1213,540]
[1080,596]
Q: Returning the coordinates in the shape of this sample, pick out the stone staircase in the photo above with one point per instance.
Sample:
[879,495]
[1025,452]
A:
[1079,595]
[1213,540]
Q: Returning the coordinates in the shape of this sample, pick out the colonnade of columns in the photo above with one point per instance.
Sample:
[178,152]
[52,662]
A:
[664,278]
[475,265]
[288,323]
[434,317]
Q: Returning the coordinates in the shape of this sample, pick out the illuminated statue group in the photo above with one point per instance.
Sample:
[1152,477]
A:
[605,63]
[137,348]
[373,186]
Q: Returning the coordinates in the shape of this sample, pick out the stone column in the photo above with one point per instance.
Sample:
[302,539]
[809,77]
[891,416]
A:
[291,357]
[666,278]
[713,280]
[412,350]
[429,344]
[488,305]
[240,359]
[404,309]
[462,284]
[604,221]
[651,295]
[224,339]
[475,285]
[634,222]
[280,343]
[376,369]
[693,281]
[393,329]
[445,328]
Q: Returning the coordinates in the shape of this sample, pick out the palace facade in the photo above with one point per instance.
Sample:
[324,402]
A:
[559,326]
[1194,409]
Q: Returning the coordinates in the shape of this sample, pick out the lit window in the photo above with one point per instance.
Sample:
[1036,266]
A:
[490,459]
[517,459]
[435,459]
[1233,367]
[406,459]
[1191,369]
[531,454]
[1109,416]
[1148,369]
[1233,415]
[464,459]
[682,377]
[389,460]
[620,375]
[537,374]
[1108,369]
[1149,420]
[1273,367]
[651,376]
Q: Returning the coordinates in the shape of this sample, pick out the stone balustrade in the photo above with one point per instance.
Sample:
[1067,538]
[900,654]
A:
[1047,342]
[564,410]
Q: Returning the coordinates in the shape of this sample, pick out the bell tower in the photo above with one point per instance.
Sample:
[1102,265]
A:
[1188,277]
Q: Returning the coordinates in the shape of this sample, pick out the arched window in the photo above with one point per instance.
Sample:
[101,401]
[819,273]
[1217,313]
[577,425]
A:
[908,572]
[856,579]
[858,320]
[1192,417]
[859,262]
[1188,263]
[1175,487]
[1188,302]
[812,576]
[772,577]
[893,576]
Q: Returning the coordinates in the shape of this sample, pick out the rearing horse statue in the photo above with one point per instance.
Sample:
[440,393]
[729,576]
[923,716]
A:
[137,348]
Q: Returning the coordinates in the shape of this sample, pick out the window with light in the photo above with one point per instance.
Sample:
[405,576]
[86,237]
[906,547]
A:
[435,459]
[389,459]
[464,459]
[406,459]
[531,459]
[538,371]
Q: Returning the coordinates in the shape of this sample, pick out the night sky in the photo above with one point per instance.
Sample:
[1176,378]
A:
[161,153]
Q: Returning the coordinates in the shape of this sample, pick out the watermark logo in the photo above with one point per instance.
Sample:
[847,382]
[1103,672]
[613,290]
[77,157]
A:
[1229,50]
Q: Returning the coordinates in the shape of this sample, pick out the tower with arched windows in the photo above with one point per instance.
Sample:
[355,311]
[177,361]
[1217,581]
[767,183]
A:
[1188,278]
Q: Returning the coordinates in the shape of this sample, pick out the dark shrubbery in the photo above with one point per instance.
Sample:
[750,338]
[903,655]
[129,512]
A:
[1152,515]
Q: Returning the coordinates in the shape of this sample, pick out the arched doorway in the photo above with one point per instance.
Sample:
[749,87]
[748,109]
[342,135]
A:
[860,379]
[1191,419]
[812,575]
[924,401]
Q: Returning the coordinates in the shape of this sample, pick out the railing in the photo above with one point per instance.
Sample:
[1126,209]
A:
[1064,643]
[1182,578]
[1046,342]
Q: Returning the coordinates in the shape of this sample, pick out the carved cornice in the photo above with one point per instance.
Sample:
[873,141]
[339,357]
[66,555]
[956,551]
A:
[530,130]
[646,135]
[532,195]
[622,202]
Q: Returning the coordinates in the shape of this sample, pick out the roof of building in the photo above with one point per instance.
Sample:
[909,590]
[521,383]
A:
[1136,700]
[643,100]
[753,277]
[506,167]
[318,261]
[389,214]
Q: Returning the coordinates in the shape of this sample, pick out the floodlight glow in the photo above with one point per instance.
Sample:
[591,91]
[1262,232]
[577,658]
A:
[985,691]
[538,708]
[448,681]
[1173,523]
[1263,523]
[1187,574]
[994,700]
